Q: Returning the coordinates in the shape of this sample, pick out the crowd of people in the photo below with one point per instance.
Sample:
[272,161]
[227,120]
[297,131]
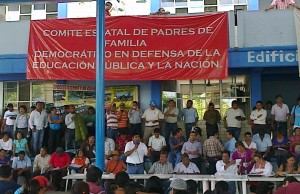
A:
[69,139]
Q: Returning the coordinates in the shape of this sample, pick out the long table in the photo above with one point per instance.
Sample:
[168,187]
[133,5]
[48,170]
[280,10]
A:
[205,179]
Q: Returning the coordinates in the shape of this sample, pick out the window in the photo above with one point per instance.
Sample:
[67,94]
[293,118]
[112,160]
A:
[31,12]
[220,92]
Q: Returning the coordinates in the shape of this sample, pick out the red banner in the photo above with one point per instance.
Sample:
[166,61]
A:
[136,48]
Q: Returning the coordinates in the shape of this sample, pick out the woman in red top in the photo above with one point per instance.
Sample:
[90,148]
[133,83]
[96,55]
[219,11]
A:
[79,163]
[115,165]
[295,142]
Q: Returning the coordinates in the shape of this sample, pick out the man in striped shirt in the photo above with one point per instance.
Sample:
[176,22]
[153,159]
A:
[162,166]
[112,122]
[212,150]
[122,116]
[282,4]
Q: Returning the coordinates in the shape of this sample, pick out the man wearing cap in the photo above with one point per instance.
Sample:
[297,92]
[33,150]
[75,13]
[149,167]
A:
[115,165]
[9,120]
[135,151]
[171,113]
[59,163]
[190,117]
[152,117]
[212,118]
[177,185]
[38,122]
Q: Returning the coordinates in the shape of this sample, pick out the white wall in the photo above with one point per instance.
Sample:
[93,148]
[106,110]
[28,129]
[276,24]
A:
[260,28]
[255,29]
[14,37]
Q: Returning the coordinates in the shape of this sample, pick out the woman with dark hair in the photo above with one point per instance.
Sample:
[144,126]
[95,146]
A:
[20,144]
[55,122]
[243,158]
[290,166]
[280,147]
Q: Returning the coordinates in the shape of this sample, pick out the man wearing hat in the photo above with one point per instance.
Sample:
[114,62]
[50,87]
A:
[115,165]
[9,120]
[152,117]
[177,185]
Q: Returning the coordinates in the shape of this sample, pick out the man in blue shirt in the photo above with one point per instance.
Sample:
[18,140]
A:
[5,180]
[190,117]
[21,167]
[230,144]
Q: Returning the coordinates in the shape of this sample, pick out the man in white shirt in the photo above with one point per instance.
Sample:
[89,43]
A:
[109,147]
[225,166]
[41,165]
[156,143]
[171,113]
[280,113]
[152,117]
[233,119]
[9,120]
[135,118]
[248,143]
[186,167]
[258,116]
[70,131]
[38,122]
[135,151]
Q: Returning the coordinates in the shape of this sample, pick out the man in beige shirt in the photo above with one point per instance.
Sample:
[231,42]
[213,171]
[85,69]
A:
[41,163]
[171,114]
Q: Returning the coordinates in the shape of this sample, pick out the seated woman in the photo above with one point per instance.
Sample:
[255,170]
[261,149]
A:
[289,167]
[280,147]
[79,163]
[20,144]
[6,143]
[261,166]
[243,158]
[295,142]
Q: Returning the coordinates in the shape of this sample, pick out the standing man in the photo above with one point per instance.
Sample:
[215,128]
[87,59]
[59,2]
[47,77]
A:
[268,108]
[170,113]
[280,113]
[112,122]
[153,117]
[122,116]
[295,118]
[233,119]
[38,122]
[9,120]
[258,116]
[135,119]
[212,118]
[70,131]
[135,151]
[190,117]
